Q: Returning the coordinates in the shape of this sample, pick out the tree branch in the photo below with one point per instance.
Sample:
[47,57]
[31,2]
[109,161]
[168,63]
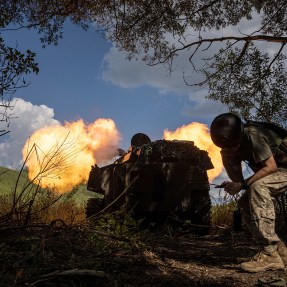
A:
[276,56]
[274,39]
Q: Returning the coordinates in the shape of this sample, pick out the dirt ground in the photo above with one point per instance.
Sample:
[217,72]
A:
[190,260]
[81,257]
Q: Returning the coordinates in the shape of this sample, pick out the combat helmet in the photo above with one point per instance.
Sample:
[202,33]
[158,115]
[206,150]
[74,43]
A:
[140,139]
[226,130]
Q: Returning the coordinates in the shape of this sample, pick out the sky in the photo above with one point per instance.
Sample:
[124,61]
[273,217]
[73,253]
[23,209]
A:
[85,77]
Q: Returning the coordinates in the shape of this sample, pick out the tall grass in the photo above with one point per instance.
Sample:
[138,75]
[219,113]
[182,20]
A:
[47,208]
[222,213]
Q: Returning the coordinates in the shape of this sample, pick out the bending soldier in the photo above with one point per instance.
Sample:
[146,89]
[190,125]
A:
[261,149]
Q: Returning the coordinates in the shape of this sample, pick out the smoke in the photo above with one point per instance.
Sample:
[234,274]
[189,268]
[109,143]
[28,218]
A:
[60,156]
[26,118]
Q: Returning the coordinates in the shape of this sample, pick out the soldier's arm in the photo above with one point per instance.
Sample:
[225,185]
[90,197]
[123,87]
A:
[269,166]
[232,165]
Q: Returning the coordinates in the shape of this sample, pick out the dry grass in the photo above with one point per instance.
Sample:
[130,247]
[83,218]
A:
[222,213]
[43,208]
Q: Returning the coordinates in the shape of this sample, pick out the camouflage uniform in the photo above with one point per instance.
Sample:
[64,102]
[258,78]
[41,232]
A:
[257,205]
[258,208]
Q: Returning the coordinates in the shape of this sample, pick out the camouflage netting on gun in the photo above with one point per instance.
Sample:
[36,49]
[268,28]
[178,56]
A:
[174,151]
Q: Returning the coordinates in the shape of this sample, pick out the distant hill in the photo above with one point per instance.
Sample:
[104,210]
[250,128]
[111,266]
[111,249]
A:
[8,178]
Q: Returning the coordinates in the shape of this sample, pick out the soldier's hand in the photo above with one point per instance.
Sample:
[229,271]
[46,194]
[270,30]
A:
[232,187]
[222,185]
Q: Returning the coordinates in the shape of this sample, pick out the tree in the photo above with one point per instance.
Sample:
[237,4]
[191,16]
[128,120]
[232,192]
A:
[254,87]
[45,16]
[159,30]
[249,82]
[13,66]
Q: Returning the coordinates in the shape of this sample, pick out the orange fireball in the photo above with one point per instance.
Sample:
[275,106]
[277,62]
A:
[60,156]
[199,134]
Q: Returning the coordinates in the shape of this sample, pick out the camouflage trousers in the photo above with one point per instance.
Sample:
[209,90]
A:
[257,206]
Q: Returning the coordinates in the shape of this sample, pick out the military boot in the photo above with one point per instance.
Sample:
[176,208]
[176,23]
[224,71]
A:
[267,259]
[282,251]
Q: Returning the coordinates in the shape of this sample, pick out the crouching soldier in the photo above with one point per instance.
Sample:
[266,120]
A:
[262,149]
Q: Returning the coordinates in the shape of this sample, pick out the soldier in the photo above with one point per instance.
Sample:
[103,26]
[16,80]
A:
[260,148]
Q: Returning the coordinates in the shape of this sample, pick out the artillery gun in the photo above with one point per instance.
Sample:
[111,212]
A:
[155,181]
